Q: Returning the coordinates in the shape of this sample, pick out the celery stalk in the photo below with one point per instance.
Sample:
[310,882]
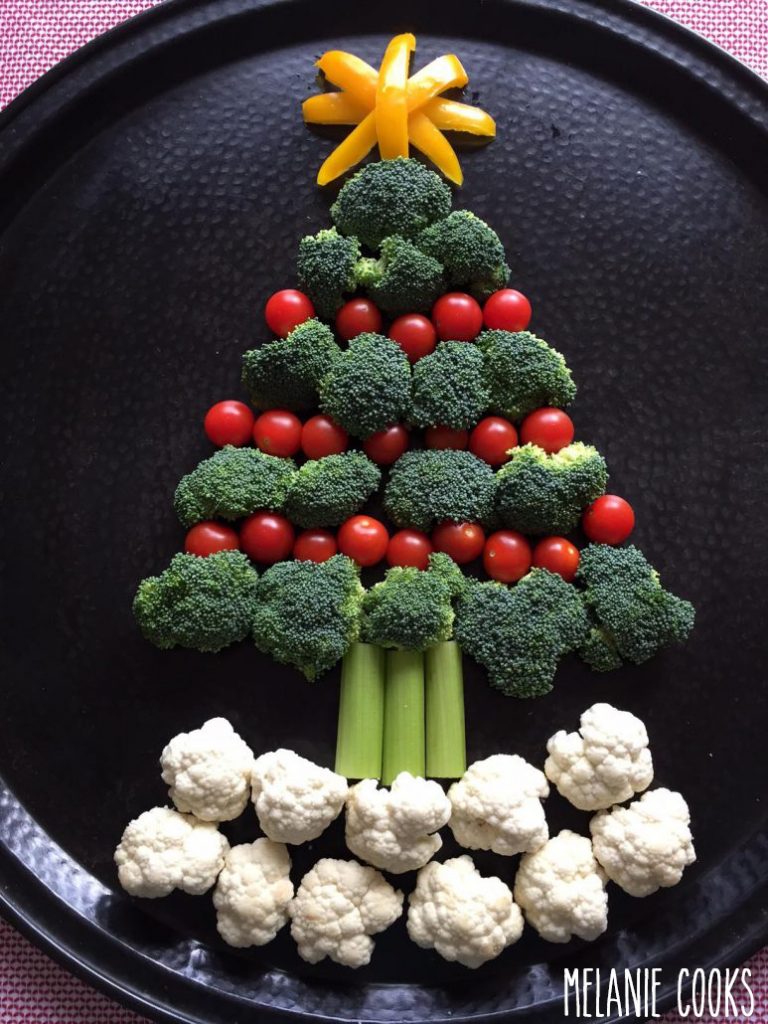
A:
[446,743]
[403,715]
[361,713]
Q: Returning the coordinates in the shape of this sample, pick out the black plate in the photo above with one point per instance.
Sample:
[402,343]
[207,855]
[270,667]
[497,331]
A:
[152,191]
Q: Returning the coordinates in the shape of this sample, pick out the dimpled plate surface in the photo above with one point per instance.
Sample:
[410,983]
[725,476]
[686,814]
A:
[152,191]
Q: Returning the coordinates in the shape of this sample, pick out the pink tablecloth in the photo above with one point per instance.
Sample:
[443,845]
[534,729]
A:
[34,34]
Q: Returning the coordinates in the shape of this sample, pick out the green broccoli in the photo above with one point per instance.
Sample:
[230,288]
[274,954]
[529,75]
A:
[634,611]
[434,486]
[540,493]
[368,387]
[599,651]
[284,374]
[308,613]
[448,387]
[470,251]
[403,279]
[518,634]
[524,373]
[326,269]
[390,197]
[325,492]
[202,603]
[231,484]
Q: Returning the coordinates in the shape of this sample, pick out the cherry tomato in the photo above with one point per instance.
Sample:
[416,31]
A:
[445,437]
[415,335]
[550,429]
[229,423]
[386,446]
[457,317]
[507,310]
[278,432]
[608,520]
[208,537]
[287,309]
[507,556]
[315,546]
[321,436]
[363,539]
[357,317]
[491,440]
[266,537]
[558,555]
[462,541]
[409,547]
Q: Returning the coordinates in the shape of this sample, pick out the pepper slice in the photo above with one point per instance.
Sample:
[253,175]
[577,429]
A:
[333,108]
[351,151]
[352,74]
[392,97]
[446,72]
[452,116]
[434,145]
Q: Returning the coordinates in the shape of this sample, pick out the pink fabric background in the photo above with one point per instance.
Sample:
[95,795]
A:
[34,35]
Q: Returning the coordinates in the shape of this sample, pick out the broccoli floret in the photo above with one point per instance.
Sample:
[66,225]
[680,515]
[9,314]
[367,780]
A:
[541,493]
[231,484]
[625,595]
[518,634]
[403,279]
[308,613]
[326,269]
[284,374]
[448,387]
[202,603]
[368,387]
[599,651]
[444,567]
[325,492]
[391,197]
[524,373]
[470,251]
[435,486]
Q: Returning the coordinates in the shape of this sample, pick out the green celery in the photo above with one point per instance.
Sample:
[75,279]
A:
[361,713]
[446,743]
[403,715]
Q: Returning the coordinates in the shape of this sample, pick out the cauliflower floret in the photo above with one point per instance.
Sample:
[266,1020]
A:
[646,846]
[605,765]
[391,828]
[561,889]
[497,806]
[209,771]
[296,800]
[338,906]
[253,893]
[163,850]
[462,915]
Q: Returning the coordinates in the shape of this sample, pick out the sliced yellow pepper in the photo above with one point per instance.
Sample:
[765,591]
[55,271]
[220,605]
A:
[443,73]
[333,108]
[434,145]
[392,97]
[351,151]
[451,116]
[351,74]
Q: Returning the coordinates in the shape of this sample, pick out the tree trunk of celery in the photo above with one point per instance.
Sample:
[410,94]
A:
[446,742]
[404,735]
[361,713]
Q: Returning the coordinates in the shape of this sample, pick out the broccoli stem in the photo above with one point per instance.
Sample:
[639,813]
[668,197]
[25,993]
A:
[403,715]
[446,743]
[361,713]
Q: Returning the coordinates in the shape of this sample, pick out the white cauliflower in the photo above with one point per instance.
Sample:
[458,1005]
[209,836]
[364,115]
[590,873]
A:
[462,915]
[253,893]
[646,846]
[209,771]
[163,850]
[606,764]
[338,906]
[497,806]
[391,829]
[295,799]
[561,889]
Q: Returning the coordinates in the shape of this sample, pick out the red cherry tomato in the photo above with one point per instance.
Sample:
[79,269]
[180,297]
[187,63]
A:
[415,335]
[507,556]
[363,539]
[315,546]
[321,436]
[558,555]
[445,437]
[457,317]
[507,310]
[386,446]
[278,432]
[462,541]
[357,317]
[608,520]
[229,423]
[409,547]
[208,537]
[266,537]
[287,309]
[491,440]
[550,429]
